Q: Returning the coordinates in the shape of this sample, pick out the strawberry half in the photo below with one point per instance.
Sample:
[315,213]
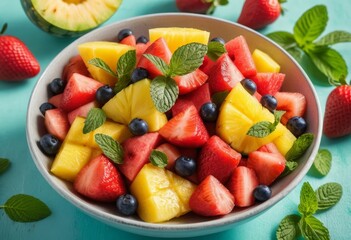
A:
[293,103]
[186,129]
[191,81]
[100,180]
[268,83]
[217,158]
[211,198]
[242,184]
[56,123]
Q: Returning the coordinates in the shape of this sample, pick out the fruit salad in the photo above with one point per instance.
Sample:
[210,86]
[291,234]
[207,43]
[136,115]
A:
[172,123]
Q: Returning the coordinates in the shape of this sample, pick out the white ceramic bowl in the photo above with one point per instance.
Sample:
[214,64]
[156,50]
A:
[189,225]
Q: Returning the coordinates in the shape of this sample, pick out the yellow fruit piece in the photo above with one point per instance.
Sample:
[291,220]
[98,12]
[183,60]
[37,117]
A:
[285,141]
[264,62]
[135,102]
[161,194]
[70,160]
[109,52]
[75,133]
[238,113]
[176,36]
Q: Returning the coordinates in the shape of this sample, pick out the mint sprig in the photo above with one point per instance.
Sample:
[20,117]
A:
[323,161]
[264,128]
[158,158]
[304,40]
[96,117]
[300,146]
[328,195]
[215,50]
[164,92]
[110,147]
[4,164]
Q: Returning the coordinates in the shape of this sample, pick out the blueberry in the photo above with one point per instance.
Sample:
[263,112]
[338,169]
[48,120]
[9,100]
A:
[139,74]
[57,85]
[46,106]
[142,39]
[269,102]
[103,94]
[249,85]
[138,127]
[127,204]
[185,166]
[262,193]
[218,39]
[124,33]
[49,144]
[209,112]
[297,125]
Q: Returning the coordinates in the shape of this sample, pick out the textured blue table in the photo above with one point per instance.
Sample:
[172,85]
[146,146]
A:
[68,222]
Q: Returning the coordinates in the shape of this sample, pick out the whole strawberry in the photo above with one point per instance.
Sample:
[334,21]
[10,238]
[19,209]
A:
[16,60]
[257,14]
[199,6]
[337,116]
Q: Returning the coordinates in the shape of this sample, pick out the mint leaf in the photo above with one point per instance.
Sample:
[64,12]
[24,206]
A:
[164,92]
[215,50]
[159,63]
[111,148]
[218,97]
[288,228]
[330,63]
[264,128]
[187,58]
[96,117]
[4,164]
[25,208]
[299,147]
[289,167]
[125,66]
[284,39]
[308,200]
[328,195]
[334,38]
[313,229]
[311,25]
[158,158]
[98,62]
[323,161]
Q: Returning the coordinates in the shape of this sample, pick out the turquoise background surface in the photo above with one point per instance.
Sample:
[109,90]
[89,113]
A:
[68,222]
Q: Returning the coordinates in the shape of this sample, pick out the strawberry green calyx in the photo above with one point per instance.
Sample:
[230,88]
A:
[3,29]
[282,10]
[214,4]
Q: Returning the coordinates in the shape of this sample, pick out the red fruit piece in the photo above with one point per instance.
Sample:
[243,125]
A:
[186,129]
[74,65]
[218,159]
[129,40]
[191,81]
[268,83]
[211,198]
[56,100]
[79,90]
[136,153]
[268,166]
[337,117]
[193,6]
[242,184]
[224,75]
[16,60]
[293,103]
[82,111]
[207,64]
[238,50]
[159,49]
[257,14]
[56,123]
[140,48]
[100,180]
[172,153]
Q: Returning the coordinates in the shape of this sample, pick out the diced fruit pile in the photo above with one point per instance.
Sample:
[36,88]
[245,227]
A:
[176,124]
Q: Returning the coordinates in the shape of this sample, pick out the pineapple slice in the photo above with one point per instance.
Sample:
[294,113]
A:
[285,142]
[264,63]
[238,113]
[75,133]
[109,52]
[135,102]
[161,194]
[176,36]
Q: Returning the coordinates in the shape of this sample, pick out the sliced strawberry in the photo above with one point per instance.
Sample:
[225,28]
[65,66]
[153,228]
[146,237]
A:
[224,75]
[159,49]
[186,129]
[238,50]
[268,166]
[242,184]
[218,159]
[79,90]
[269,147]
[211,198]
[129,40]
[56,123]
[82,111]
[268,83]
[136,153]
[181,105]
[100,180]
[191,81]
[74,65]
[56,100]
[172,153]
[293,103]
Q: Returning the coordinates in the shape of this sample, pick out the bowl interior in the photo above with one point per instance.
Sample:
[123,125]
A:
[189,225]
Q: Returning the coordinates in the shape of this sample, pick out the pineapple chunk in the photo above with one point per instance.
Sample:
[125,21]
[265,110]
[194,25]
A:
[285,141]
[161,194]
[264,63]
[75,133]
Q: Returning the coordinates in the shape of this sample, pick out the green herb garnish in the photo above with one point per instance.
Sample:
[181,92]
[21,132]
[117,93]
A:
[264,128]
[215,50]
[323,161]
[328,195]
[158,158]
[299,147]
[4,164]
[110,147]
[96,117]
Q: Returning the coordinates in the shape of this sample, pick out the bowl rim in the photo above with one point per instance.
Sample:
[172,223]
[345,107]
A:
[139,224]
